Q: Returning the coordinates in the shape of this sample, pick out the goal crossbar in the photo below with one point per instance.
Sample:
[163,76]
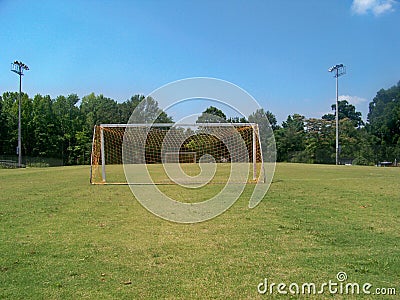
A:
[179,124]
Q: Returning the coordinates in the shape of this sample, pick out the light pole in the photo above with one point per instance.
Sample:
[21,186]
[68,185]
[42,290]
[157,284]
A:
[339,71]
[19,67]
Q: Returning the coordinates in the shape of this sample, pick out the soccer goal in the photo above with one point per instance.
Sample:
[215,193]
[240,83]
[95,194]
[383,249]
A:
[189,150]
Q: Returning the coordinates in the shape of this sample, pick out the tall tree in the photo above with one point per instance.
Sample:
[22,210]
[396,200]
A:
[98,110]
[3,130]
[28,139]
[44,128]
[95,110]
[384,114]
[346,110]
[320,140]
[9,123]
[147,111]
[212,115]
[267,124]
[260,116]
[290,139]
[127,108]
[69,121]
[384,123]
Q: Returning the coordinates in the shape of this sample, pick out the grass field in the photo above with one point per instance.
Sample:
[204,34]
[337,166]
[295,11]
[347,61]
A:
[138,173]
[61,238]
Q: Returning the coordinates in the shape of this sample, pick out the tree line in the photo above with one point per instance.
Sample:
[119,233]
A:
[313,140]
[62,128]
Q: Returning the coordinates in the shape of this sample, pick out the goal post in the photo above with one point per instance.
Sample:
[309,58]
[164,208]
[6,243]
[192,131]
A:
[189,146]
[103,155]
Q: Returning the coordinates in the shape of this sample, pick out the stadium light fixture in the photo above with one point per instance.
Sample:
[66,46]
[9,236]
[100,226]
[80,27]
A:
[19,68]
[338,70]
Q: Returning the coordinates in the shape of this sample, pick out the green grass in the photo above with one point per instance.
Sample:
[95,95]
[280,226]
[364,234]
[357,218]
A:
[115,173]
[62,238]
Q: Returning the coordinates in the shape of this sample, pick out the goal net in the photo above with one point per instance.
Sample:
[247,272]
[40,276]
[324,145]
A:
[176,153]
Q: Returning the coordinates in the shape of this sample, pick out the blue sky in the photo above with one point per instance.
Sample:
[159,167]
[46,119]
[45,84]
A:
[278,51]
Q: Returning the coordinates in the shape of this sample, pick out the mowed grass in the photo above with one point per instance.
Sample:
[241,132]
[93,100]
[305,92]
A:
[62,238]
[139,174]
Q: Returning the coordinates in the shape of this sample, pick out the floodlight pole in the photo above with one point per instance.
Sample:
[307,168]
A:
[19,67]
[339,70]
[337,117]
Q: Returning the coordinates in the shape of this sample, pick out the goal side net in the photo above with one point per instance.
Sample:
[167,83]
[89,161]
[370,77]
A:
[187,149]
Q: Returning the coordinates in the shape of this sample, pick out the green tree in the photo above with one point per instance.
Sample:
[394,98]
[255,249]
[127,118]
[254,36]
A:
[384,124]
[146,110]
[267,124]
[98,110]
[320,140]
[237,120]
[384,120]
[9,116]
[28,139]
[366,153]
[9,123]
[44,128]
[290,139]
[212,115]
[69,120]
[346,110]
[82,148]
[351,141]
[260,116]
[3,130]
[94,110]
[127,107]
